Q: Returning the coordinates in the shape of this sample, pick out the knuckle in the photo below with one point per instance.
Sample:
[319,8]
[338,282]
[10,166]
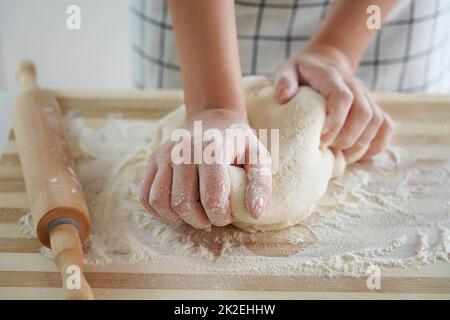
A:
[357,81]
[366,112]
[182,206]
[213,204]
[355,154]
[331,128]
[331,80]
[366,137]
[331,71]
[344,94]
[157,201]
[345,143]
[359,146]
[377,118]
[217,213]
[334,124]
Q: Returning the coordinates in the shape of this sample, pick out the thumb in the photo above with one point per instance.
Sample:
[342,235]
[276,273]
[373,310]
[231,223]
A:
[286,82]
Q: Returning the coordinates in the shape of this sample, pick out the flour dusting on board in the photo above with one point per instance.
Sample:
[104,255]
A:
[385,213]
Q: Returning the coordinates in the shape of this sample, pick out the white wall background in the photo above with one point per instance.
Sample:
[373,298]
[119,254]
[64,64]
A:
[95,57]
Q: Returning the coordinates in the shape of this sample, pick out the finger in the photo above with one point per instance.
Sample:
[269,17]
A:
[186,196]
[330,84]
[160,195]
[215,192]
[286,82]
[355,152]
[382,138]
[144,191]
[259,182]
[358,118]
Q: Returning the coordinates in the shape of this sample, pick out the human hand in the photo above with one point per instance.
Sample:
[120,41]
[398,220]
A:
[198,193]
[354,123]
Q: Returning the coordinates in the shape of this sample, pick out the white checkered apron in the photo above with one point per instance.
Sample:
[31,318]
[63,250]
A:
[411,52]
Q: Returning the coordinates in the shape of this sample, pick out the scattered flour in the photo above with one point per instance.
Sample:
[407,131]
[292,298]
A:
[393,212]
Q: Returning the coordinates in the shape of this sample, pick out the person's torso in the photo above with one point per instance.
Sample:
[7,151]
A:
[411,52]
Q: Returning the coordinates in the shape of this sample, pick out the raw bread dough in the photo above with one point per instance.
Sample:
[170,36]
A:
[304,167]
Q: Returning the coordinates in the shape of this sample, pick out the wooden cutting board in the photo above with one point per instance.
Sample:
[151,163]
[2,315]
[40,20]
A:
[26,274]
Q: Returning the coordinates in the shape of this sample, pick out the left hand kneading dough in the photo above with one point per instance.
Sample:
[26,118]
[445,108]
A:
[304,167]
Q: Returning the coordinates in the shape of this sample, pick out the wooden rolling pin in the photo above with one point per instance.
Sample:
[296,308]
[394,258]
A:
[54,192]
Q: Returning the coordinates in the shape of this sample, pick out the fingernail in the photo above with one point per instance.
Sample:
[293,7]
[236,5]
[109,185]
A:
[258,207]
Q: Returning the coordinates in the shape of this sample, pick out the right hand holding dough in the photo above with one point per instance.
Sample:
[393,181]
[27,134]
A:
[198,194]
[355,123]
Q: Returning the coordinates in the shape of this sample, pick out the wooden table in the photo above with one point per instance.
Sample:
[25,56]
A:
[26,274]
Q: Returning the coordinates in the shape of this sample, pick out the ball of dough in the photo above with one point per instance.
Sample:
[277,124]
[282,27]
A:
[303,169]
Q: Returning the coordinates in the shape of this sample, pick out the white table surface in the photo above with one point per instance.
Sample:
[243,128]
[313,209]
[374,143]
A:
[6,101]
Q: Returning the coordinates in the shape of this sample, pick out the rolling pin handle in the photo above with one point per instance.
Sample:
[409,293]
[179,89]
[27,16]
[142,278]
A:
[26,75]
[67,252]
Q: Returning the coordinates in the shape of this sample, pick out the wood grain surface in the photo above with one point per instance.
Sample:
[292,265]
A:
[422,120]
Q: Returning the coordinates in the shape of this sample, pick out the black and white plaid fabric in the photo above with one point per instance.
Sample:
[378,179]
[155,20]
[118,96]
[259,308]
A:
[410,53]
